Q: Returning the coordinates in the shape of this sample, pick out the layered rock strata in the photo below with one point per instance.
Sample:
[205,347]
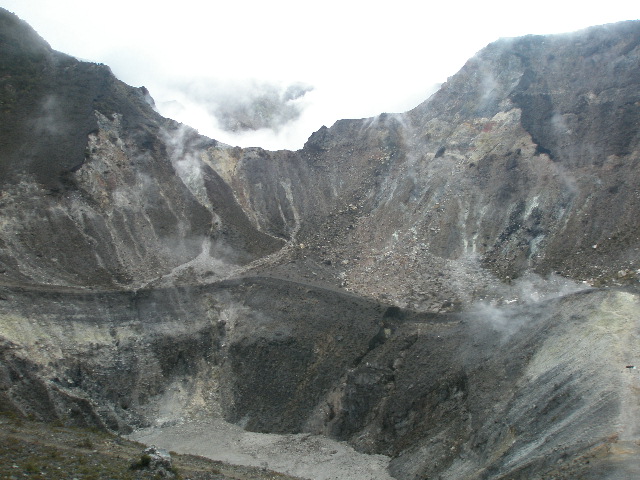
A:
[417,284]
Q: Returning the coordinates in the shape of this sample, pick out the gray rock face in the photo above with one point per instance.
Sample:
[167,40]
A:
[418,285]
[159,461]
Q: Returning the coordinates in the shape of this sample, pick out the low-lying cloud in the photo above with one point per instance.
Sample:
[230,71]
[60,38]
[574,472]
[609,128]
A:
[237,111]
[241,106]
[271,115]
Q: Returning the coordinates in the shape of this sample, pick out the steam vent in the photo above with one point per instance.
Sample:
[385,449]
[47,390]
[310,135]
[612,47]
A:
[448,293]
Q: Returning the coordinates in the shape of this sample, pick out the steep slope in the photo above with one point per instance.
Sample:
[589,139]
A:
[529,391]
[526,160]
[409,283]
[94,182]
[522,161]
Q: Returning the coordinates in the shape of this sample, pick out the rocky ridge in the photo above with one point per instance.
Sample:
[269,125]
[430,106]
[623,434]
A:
[410,283]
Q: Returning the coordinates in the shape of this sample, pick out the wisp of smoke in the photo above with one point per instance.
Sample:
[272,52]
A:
[507,312]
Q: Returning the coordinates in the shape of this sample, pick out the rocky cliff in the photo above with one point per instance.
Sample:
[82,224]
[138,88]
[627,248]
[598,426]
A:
[420,285]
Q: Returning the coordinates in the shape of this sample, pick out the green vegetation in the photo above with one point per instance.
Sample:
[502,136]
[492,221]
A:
[38,451]
[144,462]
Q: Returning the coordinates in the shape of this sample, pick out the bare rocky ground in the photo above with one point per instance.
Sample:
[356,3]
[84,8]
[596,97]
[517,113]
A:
[409,286]
[302,455]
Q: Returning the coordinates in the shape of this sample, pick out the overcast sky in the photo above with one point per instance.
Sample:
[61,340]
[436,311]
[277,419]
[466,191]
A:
[349,59]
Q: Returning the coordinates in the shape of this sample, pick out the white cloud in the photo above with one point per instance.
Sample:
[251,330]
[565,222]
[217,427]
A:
[363,58]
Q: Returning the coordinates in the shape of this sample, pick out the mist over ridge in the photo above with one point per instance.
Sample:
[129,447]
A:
[361,60]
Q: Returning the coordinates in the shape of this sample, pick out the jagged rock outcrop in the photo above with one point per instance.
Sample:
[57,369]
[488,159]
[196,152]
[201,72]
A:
[410,283]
